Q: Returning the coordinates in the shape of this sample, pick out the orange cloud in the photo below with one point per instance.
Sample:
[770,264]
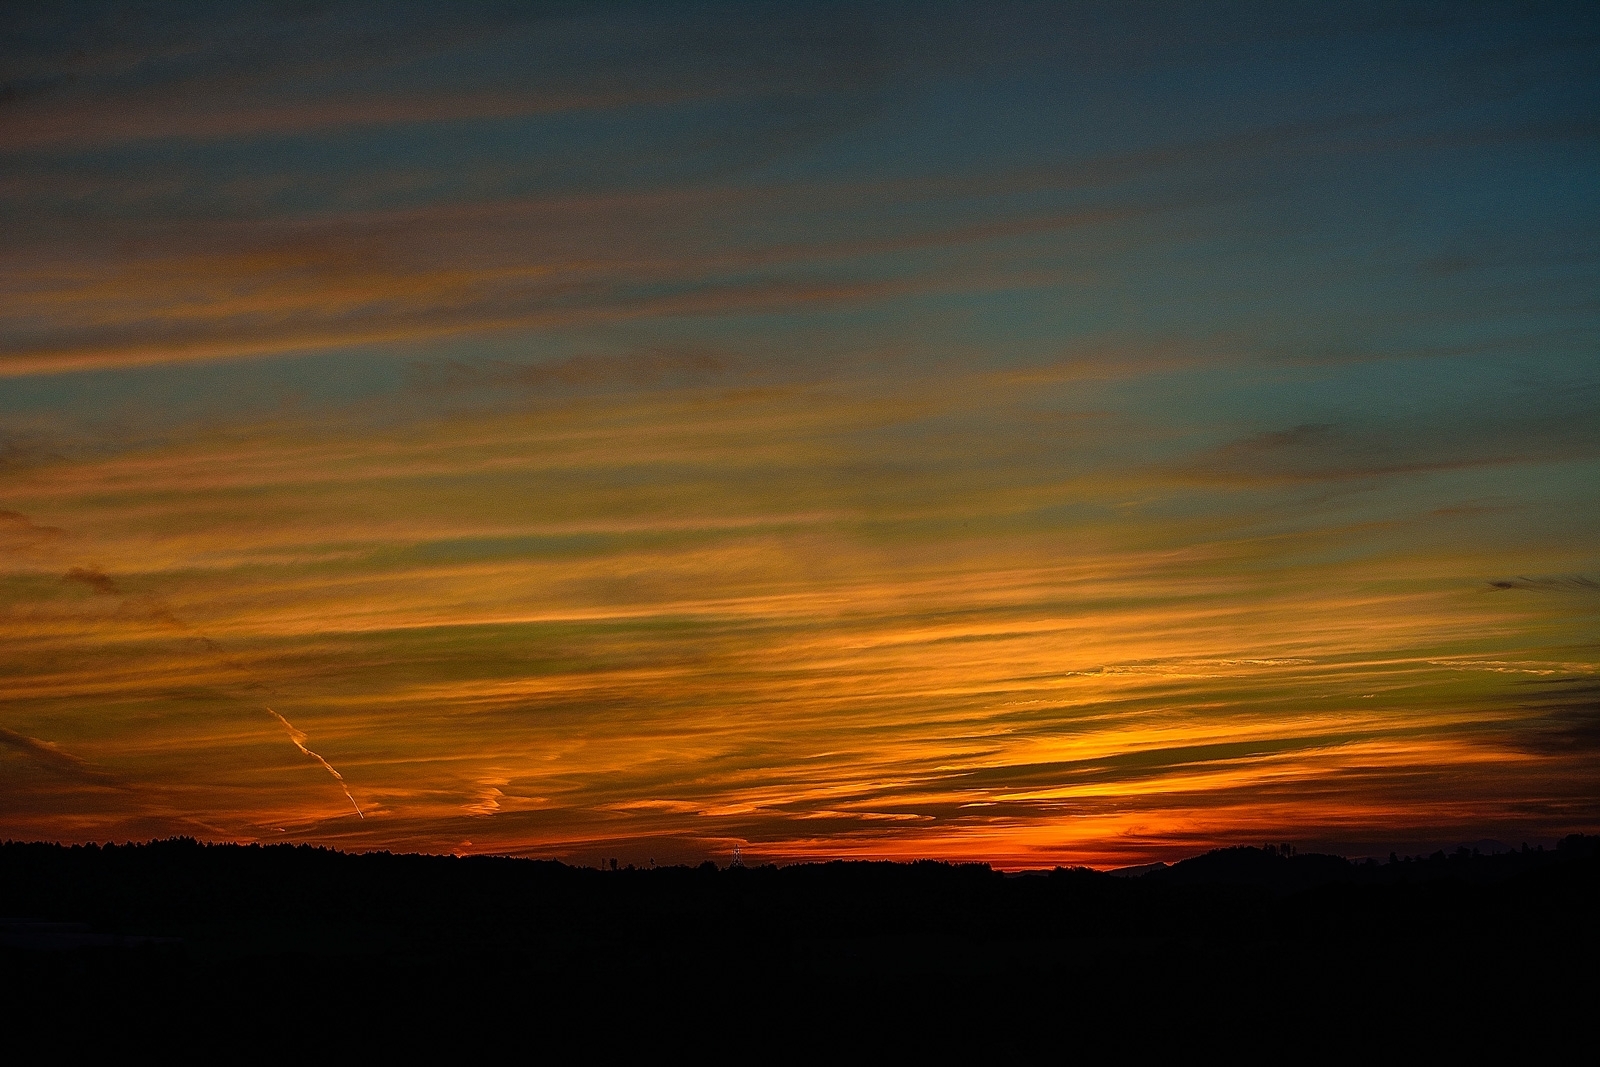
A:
[665,617]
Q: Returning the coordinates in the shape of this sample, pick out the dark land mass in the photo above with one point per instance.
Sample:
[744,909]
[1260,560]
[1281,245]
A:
[247,952]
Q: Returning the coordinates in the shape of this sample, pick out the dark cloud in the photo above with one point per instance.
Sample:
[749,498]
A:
[1537,428]
[94,578]
[19,451]
[1334,451]
[1559,583]
[53,757]
[20,533]
[1560,717]
[144,606]
[1134,766]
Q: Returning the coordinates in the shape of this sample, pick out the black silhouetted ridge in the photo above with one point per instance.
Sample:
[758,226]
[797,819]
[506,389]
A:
[1265,938]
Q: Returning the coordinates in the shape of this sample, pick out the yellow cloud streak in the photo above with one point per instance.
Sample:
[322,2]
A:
[663,618]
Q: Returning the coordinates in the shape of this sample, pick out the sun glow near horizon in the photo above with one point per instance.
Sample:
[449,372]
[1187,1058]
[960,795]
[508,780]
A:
[858,477]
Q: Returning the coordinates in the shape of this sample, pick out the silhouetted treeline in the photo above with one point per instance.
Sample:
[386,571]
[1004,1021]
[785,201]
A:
[1256,936]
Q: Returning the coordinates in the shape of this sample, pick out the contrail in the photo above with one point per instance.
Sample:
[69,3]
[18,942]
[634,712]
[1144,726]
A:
[102,583]
[299,739]
[23,534]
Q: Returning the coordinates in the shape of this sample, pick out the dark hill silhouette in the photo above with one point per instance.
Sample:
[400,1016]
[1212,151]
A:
[1265,868]
[199,941]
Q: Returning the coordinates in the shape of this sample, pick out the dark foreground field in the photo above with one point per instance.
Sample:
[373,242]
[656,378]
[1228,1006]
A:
[248,952]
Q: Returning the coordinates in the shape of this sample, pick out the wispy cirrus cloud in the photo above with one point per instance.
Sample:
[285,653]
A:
[1029,436]
[684,617]
[58,760]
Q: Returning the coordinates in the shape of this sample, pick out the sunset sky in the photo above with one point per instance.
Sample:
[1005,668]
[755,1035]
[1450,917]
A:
[1038,434]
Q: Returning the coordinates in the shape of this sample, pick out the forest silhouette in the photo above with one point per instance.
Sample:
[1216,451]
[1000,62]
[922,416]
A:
[180,944]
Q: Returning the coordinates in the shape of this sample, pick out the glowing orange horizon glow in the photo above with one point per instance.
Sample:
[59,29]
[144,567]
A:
[690,668]
[1041,434]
